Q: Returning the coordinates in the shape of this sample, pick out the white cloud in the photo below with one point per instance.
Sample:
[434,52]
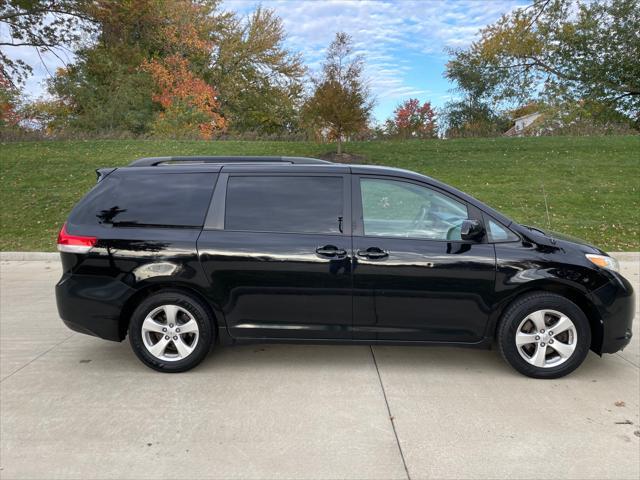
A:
[391,34]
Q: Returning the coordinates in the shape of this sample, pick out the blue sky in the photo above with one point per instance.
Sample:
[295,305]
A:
[403,41]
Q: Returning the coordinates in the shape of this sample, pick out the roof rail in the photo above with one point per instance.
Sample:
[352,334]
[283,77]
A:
[154,161]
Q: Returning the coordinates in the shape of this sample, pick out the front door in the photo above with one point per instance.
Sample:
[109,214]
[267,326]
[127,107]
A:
[415,279]
[279,264]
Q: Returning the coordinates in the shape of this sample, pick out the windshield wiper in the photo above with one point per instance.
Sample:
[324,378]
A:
[534,229]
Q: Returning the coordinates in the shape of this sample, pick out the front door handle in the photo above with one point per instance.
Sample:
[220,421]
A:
[373,253]
[331,251]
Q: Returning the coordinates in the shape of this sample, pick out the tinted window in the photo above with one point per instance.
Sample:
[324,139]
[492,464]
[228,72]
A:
[147,198]
[284,204]
[401,209]
[498,233]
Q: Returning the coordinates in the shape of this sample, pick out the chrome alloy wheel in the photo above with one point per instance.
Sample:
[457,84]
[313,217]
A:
[170,333]
[546,338]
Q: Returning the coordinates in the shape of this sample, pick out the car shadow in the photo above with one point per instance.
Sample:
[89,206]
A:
[405,360]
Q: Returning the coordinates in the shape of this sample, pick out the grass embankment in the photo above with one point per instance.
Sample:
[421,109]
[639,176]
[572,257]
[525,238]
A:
[591,183]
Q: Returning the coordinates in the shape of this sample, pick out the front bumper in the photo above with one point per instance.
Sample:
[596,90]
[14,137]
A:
[92,304]
[615,302]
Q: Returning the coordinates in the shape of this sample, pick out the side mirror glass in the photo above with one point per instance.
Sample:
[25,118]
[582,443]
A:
[471,230]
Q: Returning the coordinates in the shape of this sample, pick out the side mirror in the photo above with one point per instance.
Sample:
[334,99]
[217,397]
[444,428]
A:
[471,230]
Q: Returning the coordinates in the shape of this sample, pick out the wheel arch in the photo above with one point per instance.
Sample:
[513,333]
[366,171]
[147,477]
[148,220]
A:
[148,290]
[572,293]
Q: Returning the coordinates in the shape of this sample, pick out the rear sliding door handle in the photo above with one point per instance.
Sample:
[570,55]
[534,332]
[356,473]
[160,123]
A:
[373,253]
[331,251]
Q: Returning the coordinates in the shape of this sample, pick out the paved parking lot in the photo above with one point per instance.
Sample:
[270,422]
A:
[73,406]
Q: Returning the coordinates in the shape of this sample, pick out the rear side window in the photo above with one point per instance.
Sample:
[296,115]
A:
[147,199]
[284,204]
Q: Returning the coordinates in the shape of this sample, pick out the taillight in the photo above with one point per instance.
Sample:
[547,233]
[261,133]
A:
[74,243]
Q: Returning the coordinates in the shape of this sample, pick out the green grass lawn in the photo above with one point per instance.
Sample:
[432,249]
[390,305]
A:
[591,183]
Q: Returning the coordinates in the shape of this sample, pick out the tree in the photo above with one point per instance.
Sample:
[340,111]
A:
[412,120]
[259,80]
[556,49]
[243,75]
[526,109]
[46,25]
[9,116]
[190,105]
[103,92]
[142,48]
[473,118]
[340,101]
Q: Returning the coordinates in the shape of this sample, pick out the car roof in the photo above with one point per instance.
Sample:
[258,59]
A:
[224,159]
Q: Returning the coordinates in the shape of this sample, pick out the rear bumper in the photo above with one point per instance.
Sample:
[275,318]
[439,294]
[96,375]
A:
[615,302]
[92,304]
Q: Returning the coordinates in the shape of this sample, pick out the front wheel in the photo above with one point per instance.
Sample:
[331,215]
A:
[544,335]
[171,331]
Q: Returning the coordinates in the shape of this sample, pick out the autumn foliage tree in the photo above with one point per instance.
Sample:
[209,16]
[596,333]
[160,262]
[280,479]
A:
[107,88]
[557,51]
[111,86]
[259,79]
[412,120]
[8,103]
[189,105]
[340,101]
[180,68]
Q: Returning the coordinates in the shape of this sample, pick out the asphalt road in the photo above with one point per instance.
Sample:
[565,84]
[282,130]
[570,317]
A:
[74,406]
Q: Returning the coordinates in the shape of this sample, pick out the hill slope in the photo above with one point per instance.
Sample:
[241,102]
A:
[591,183]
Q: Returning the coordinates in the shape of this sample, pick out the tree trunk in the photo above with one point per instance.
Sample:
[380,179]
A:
[339,144]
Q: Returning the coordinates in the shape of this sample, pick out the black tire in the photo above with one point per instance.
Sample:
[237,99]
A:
[524,306]
[194,307]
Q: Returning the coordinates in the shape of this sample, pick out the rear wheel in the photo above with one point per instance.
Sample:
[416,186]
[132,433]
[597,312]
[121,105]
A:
[171,331]
[544,335]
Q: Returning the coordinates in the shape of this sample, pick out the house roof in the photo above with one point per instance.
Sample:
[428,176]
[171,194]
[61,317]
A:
[534,114]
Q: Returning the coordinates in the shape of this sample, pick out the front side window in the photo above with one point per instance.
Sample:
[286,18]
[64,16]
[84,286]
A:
[284,204]
[393,208]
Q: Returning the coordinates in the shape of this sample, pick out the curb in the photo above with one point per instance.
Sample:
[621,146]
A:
[28,256]
[626,256]
[50,256]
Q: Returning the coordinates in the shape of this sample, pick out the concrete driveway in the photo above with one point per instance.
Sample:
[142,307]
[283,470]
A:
[73,406]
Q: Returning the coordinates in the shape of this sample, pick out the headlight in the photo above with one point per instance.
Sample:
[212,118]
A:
[604,261]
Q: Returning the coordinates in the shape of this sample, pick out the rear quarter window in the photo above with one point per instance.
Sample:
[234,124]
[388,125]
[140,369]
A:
[147,199]
[499,233]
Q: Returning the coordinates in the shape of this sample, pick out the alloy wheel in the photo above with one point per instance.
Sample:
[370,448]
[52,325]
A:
[170,333]
[546,338]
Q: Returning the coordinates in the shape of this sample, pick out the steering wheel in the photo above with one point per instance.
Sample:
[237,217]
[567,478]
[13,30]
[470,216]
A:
[420,217]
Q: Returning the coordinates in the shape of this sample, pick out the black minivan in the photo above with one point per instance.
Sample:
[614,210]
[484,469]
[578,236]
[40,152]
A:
[181,253]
